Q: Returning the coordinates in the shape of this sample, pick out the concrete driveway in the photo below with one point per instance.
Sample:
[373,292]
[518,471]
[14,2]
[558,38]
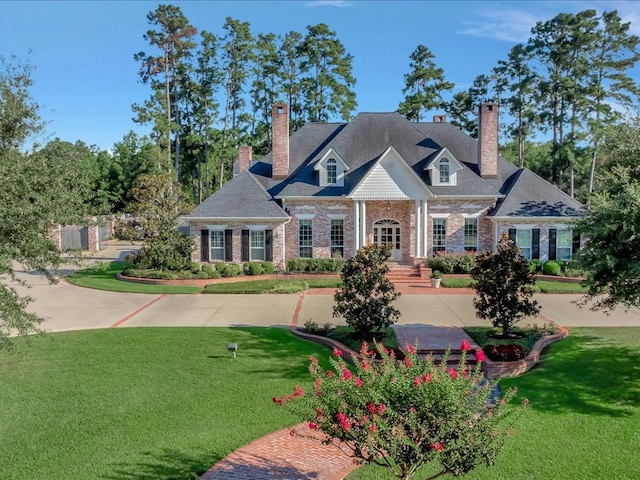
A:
[67,307]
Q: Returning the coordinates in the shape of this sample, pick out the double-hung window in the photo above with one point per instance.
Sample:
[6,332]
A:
[471,234]
[337,238]
[439,235]
[523,241]
[305,238]
[332,171]
[217,245]
[257,242]
[443,171]
[564,242]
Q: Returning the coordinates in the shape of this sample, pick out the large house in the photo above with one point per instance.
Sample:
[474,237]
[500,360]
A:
[424,188]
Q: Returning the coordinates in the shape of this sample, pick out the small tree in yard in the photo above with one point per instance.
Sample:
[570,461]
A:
[504,287]
[405,414]
[158,202]
[365,298]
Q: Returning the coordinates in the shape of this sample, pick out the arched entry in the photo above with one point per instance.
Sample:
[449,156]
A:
[388,232]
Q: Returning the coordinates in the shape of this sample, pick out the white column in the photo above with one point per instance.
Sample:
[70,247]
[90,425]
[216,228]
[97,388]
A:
[425,231]
[356,226]
[363,221]
[417,215]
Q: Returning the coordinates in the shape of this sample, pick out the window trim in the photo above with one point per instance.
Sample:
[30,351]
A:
[263,247]
[220,258]
[570,247]
[468,247]
[305,242]
[332,166]
[444,167]
[334,246]
[439,247]
[530,246]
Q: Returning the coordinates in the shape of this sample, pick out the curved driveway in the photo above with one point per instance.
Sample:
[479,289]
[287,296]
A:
[67,307]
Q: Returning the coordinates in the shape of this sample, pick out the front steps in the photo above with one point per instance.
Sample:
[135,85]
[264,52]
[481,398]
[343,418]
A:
[403,273]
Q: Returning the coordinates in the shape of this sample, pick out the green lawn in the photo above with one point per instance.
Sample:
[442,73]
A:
[285,285]
[103,277]
[166,403]
[544,286]
[148,403]
[584,416]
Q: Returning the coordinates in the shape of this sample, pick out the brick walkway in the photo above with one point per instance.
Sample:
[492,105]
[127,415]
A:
[286,456]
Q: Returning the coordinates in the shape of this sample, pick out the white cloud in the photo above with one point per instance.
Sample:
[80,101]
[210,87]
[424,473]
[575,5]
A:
[508,25]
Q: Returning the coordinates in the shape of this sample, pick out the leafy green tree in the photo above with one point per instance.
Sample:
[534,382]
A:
[327,81]
[158,202]
[37,190]
[518,78]
[424,85]
[615,52]
[402,415]
[504,287]
[464,106]
[173,39]
[611,253]
[290,77]
[366,295]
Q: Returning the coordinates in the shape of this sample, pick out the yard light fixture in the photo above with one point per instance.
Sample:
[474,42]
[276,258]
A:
[233,348]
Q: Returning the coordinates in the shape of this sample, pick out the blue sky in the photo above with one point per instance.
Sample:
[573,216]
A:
[86,79]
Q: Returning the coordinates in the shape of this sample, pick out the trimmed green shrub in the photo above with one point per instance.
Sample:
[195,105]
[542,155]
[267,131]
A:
[453,262]
[318,265]
[551,267]
[221,267]
[195,268]
[232,270]
[535,265]
[267,267]
[466,262]
[207,269]
[436,263]
[253,268]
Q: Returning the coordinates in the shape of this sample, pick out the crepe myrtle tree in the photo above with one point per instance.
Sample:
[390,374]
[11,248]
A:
[366,296]
[504,287]
[402,415]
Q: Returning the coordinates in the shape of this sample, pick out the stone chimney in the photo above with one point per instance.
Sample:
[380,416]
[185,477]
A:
[439,119]
[280,141]
[244,158]
[488,139]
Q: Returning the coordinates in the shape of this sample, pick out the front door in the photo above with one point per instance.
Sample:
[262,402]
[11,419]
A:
[388,232]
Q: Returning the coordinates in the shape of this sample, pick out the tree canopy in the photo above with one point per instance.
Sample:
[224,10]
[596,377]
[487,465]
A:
[39,187]
[611,253]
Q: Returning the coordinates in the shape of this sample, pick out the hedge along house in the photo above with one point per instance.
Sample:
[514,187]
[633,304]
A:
[424,188]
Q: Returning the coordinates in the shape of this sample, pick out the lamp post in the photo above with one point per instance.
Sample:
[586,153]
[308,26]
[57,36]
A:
[233,348]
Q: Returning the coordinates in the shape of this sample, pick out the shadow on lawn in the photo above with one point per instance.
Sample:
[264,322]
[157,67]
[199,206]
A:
[585,374]
[173,464]
[169,464]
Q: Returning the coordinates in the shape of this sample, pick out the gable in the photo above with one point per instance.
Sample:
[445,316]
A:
[331,169]
[390,179]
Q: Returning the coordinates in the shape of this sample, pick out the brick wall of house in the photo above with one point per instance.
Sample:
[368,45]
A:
[400,211]
[277,238]
[503,228]
[455,223]
[321,213]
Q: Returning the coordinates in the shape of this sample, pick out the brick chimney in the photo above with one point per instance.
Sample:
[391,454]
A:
[439,119]
[488,139]
[244,158]
[280,141]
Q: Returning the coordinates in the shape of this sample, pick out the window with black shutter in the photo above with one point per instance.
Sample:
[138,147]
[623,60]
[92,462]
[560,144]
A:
[535,243]
[204,245]
[552,243]
[575,246]
[268,245]
[228,245]
[245,246]
[512,235]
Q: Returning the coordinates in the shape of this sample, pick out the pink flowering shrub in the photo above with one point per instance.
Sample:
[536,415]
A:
[403,414]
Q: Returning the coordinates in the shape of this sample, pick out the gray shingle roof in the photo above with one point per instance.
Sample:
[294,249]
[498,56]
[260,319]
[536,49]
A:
[242,197]
[360,144]
[531,196]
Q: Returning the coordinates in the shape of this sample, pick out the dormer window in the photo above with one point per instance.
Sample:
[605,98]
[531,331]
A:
[332,171]
[444,171]
[443,168]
